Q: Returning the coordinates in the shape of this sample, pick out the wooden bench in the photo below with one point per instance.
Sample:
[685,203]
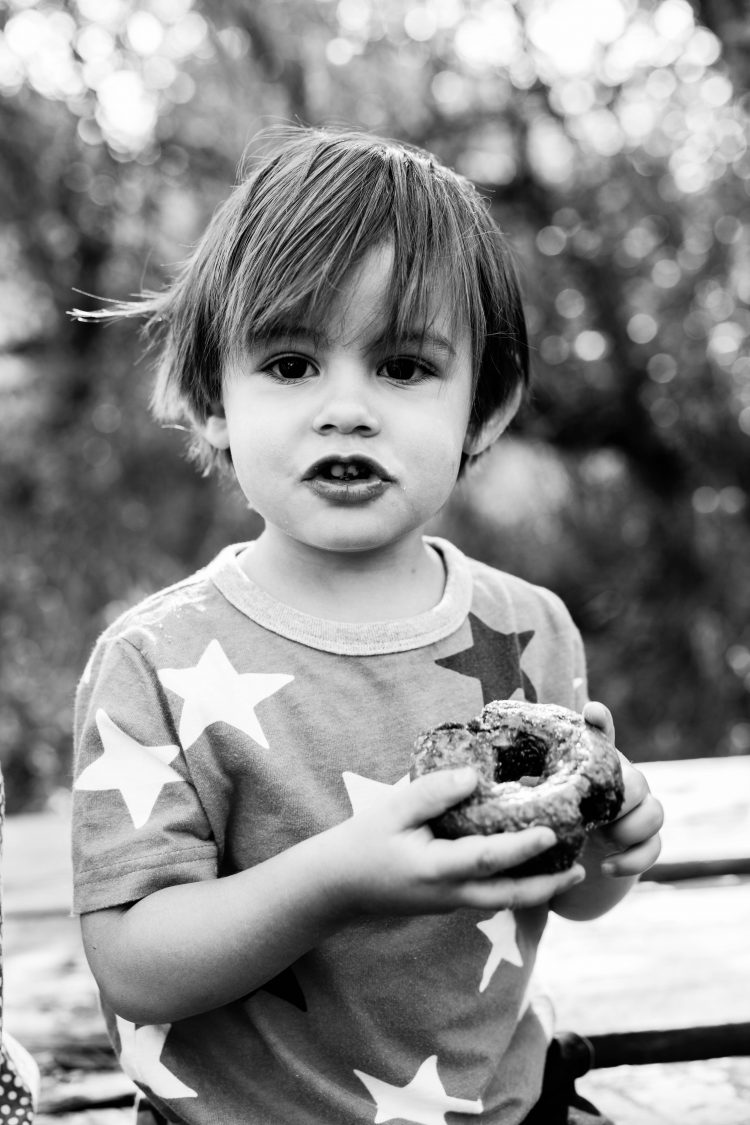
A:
[660,986]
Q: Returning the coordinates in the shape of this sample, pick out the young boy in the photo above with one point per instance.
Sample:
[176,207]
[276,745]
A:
[277,936]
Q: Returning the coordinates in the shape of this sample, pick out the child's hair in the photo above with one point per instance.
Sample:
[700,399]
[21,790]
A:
[311,203]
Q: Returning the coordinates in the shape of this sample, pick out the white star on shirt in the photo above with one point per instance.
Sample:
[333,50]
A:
[422,1101]
[215,692]
[138,771]
[140,1058]
[501,930]
[363,791]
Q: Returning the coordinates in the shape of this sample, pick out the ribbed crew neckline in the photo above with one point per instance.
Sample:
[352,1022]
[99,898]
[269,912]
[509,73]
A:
[347,638]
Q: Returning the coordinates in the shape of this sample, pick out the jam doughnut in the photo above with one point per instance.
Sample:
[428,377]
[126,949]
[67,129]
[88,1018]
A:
[537,764]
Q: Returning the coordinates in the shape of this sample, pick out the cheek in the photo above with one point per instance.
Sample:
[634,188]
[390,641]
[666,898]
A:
[248,458]
[436,462]
[449,421]
[251,435]
[445,435]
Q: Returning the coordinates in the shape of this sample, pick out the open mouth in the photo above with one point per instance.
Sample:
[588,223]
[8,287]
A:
[346,470]
[347,478]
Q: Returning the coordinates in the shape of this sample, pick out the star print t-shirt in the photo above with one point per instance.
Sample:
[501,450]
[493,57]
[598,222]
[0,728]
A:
[216,727]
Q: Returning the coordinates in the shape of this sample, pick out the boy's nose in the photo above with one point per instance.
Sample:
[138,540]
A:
[346,408]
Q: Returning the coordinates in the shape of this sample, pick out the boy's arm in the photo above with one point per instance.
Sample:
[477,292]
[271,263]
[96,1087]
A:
[616,854]
[192,947]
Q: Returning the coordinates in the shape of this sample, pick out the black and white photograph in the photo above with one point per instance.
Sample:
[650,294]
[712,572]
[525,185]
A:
[375,562]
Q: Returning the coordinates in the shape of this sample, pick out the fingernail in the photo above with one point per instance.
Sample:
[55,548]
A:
[608,868]
[577,875]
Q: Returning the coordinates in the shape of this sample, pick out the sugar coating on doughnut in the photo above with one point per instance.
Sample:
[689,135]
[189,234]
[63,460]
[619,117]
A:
[538,764]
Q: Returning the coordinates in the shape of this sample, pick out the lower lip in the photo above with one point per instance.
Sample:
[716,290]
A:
[348,492]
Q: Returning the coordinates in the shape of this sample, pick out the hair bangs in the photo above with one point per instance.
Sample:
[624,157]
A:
[345,199]
[292,262]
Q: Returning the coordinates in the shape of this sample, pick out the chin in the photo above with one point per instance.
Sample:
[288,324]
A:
[353,544]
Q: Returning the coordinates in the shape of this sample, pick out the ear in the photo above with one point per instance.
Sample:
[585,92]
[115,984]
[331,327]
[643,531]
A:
[215,429]
[476,441]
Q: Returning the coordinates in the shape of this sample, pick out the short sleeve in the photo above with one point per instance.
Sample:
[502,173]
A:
[138,822]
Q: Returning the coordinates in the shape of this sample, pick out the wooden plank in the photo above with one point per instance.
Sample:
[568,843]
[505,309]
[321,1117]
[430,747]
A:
[108,1090]
[634,1048]
[95,1116]
[681,870]
[666,957]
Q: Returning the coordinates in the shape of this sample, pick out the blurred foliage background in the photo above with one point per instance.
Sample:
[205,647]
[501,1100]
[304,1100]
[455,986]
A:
[612,138]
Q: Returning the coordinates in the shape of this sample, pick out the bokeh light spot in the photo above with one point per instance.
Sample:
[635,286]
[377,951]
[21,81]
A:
[590,345]
[661,367]
[339,51]
[666,273]
[572,32]
[551,241]
[674,19]
[728,229]
[126,109]
[145,33]
[420,23]
[489,38]
[642,328]
[705,500]
[554,349]
[570,303]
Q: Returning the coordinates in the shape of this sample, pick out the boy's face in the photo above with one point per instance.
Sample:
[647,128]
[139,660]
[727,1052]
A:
[343,438]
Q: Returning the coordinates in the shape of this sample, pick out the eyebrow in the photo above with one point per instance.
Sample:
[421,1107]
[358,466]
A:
[281,333]
[387,339]
[414,337]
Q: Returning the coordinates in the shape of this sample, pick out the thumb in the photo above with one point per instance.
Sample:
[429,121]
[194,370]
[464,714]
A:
[601,717]
[433,793]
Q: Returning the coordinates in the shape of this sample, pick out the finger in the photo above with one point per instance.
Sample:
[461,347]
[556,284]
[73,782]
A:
[635,790]
[644,821]
[635,860]
[637,799]
[601,717]
[433,793]
[477,857]
[516,894]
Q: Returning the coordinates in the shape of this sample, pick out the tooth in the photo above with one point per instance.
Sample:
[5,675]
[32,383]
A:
[337,470]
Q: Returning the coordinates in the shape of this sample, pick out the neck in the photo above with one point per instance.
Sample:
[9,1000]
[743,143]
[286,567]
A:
[390,584]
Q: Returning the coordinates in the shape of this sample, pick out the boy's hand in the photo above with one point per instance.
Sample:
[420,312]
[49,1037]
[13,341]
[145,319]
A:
[630,844]
[388,861]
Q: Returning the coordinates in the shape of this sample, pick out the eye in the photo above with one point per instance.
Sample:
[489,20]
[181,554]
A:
[406,369]
[290,368]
